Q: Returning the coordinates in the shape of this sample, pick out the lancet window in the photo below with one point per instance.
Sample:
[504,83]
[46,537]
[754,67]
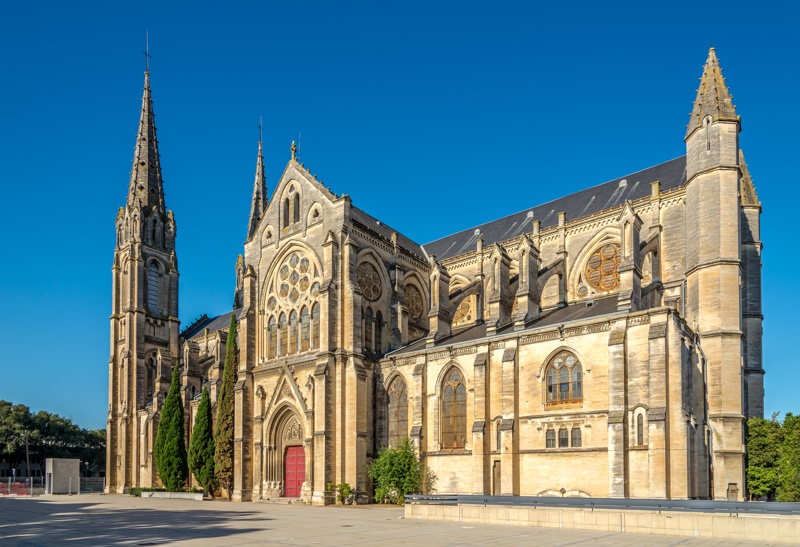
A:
[454,410]
[152,287]
[398,411]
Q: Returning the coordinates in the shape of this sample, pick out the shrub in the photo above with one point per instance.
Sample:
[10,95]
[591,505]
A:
[223,428]
[170,448]
[397,472]
[201,447]
[344,494]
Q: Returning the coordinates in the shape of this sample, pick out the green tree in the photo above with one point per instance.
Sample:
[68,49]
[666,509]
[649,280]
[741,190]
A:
[201,447]
[789,468]
[170,449]
[764,440]
[397,472]
[223,428]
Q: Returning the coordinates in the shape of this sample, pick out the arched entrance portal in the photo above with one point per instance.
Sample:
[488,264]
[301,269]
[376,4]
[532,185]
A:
[285,461]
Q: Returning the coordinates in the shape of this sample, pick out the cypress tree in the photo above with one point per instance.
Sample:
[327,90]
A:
[223,428]
[201,447]
[170,449]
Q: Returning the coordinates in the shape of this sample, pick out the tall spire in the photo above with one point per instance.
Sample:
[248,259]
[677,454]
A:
[146,183]
[713,98]
[259,204]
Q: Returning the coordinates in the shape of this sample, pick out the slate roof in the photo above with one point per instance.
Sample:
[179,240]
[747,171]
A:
[556,316]
[379,227]
[213,324]
[671,174]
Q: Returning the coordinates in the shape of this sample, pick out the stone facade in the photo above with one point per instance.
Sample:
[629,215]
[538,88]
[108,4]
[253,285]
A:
[606,344]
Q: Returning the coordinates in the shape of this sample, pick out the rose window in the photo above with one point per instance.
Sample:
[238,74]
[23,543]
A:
[601,270]
[294,280]
[463,313]
[369,281]
[413,302]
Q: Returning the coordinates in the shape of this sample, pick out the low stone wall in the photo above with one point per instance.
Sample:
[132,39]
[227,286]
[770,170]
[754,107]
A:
[765,528]
[174,495]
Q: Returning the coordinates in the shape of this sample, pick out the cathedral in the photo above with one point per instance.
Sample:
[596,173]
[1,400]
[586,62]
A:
[604,344]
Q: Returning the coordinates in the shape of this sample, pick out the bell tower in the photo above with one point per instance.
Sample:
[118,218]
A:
[144,316]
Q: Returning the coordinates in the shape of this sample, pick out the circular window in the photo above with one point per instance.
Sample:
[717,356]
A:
[369,281]
[413,302]
[463,313]
[601,269]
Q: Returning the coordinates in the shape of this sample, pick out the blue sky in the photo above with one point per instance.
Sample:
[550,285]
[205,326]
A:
[434,117]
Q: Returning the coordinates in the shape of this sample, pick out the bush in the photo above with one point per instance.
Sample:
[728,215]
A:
[201,447]
[223,428]
[170,448]
[344,494]
[397,472]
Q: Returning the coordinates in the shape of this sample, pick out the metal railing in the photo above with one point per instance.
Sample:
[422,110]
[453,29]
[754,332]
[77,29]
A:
[627,504]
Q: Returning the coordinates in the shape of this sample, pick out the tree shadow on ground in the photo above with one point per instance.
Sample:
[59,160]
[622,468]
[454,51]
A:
[36,521]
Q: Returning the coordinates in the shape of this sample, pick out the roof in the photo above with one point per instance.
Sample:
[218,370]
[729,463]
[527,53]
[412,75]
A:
[382,229]
[713,97]
[556,316]
[213,324]
[671,174]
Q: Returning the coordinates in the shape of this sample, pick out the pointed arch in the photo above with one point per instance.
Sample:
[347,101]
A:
[453,408]
[576,279]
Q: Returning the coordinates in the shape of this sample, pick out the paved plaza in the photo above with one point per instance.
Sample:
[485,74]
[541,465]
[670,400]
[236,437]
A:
[125,520]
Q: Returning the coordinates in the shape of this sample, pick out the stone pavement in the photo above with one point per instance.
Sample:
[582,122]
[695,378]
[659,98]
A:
[123,520]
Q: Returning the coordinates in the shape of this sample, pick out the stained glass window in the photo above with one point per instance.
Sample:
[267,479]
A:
[398,412]
[369,281]
[601,269]
[454,411]
[563,380]
[413,302]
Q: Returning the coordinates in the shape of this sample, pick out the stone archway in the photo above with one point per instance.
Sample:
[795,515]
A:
[284,461]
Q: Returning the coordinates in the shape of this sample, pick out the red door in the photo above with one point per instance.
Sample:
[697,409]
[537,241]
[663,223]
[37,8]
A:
[294,464]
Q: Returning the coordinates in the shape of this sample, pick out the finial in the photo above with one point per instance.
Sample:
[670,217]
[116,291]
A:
[146,51]
[294,151]
[260,128]
[299,141]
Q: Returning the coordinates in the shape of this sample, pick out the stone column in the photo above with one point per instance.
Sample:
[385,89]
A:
[630,268]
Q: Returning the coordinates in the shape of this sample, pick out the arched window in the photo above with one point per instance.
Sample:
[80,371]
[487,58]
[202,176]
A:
[296,215]
[454,410]
[368,329]
[563,438]
[283,345]
[497,433]
[564,380]
[398,412]
[193,392]
[304,329]
[286,213]
[576,437]
[273,337]
[152,287]
[293,333]
[551,438]
[315,326]
[640,430]
[378,331]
